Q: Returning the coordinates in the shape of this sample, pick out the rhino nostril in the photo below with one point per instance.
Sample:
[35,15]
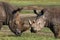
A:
[18,33]
[33,31]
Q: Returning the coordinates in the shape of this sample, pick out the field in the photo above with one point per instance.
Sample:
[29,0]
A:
[44,34]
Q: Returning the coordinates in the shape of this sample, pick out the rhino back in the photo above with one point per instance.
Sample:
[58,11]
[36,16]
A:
[53,14]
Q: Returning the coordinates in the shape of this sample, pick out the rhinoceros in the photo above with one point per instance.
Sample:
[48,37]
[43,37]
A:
[9,15]
[47,17]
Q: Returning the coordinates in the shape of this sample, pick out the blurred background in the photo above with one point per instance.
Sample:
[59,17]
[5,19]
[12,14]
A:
[33,2]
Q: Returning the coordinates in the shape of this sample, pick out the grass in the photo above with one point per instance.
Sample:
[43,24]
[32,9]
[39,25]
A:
[26,3]
[29,37]
[45,34]
[33,2]
[27,11]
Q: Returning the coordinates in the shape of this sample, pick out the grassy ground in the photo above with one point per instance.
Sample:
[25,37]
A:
[26,11]
[33,2]
[45,34]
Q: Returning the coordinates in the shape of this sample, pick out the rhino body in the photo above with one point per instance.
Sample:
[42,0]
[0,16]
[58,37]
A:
[9,15]
[47,17]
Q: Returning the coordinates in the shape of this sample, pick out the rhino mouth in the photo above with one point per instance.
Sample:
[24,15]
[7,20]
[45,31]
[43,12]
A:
[17,33]
[32,30]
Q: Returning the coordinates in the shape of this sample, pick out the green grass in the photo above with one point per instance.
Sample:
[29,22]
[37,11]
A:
[26,3]
[45,34]
[26,12]
[28,36]
[33,2]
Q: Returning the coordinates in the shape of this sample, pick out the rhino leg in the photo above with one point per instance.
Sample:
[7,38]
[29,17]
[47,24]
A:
[57,32]
[58,35]
[0,25]
[54,29]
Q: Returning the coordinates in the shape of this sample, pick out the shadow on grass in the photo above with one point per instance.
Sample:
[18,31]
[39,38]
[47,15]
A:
[13,36]
[9,35]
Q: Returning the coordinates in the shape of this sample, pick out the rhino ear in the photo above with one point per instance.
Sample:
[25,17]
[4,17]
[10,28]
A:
[29,21]
[35,12]
[40,13]
[18,9]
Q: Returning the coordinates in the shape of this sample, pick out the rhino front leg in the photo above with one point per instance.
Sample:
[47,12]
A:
[57,31]
[0,25]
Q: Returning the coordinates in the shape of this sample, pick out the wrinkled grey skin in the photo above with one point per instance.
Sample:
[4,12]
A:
[49,17]
[9,15]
